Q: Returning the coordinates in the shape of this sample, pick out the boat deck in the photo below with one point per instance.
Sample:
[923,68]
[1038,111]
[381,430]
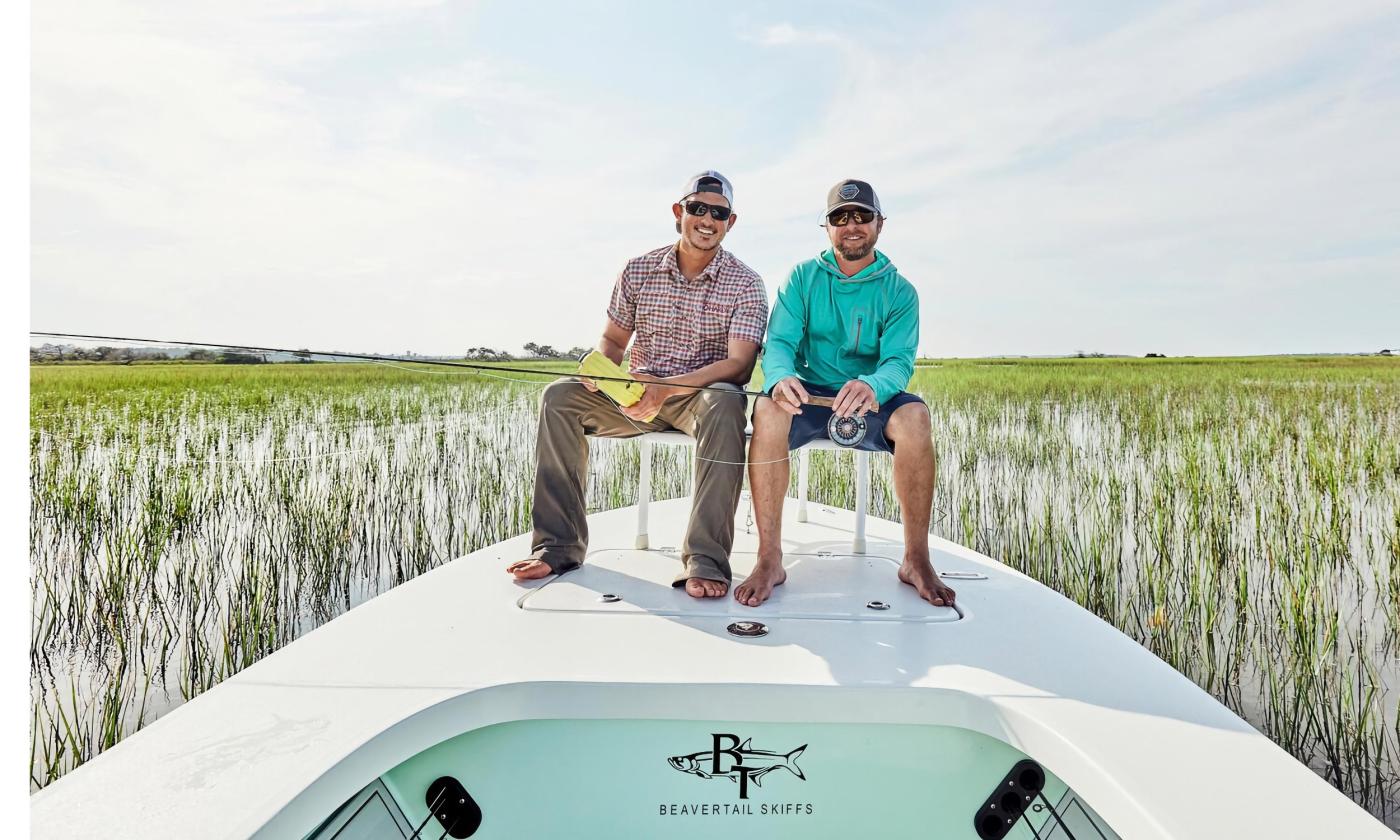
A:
[275,749]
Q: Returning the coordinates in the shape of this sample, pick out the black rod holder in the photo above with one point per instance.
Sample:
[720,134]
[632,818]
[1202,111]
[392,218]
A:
[453,807]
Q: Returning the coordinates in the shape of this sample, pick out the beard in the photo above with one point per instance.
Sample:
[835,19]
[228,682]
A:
[856,252]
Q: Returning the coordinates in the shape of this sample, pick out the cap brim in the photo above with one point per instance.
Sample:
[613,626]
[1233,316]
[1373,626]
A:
[707,192]
[833,208]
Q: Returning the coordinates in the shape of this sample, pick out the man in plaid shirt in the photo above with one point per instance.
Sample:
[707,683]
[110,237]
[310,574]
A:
[694,315]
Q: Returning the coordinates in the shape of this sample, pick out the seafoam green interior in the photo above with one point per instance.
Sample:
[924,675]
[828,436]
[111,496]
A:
[612,778]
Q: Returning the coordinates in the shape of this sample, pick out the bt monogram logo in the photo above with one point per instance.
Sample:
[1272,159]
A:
[737,762]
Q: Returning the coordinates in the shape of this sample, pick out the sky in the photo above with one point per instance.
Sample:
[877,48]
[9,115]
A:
[1117,177]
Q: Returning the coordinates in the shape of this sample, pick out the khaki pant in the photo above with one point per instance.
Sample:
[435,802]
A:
[569,412]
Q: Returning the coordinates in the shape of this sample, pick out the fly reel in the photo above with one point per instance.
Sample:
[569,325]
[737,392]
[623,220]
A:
[846,431]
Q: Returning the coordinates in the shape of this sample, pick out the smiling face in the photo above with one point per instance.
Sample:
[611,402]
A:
[855,241]
[703,233]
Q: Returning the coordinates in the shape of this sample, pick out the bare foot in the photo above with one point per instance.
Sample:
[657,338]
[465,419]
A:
[704,588]
[918,572]
[758,587]
[529,569]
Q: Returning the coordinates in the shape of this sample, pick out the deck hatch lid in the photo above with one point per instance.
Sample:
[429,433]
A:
[820,585]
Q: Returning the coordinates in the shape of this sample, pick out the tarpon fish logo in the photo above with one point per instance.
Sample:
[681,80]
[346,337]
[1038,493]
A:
[738,762]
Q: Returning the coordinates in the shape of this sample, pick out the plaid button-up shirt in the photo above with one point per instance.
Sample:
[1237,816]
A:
[682,325]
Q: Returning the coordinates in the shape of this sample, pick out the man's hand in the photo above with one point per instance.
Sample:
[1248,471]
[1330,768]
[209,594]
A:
[790,395]
[655,394]
[854,399]
[589,384]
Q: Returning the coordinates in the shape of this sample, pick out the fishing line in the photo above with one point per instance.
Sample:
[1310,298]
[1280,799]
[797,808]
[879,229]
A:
[844,430]
[49,437]
[532,383]
[942,514]
[257,462]
[373,358]
[744,463]
[247,462]
[485,370]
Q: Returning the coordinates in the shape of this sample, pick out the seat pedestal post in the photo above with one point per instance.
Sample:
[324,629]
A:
[862,499]
[644,496]
[804,465]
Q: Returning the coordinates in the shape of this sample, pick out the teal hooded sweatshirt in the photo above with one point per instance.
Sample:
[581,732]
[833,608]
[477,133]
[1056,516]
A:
[827,329]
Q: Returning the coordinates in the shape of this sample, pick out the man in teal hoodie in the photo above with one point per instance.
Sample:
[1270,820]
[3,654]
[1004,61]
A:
[845,325]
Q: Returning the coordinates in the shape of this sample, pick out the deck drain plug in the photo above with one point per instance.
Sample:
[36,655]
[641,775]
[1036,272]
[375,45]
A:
[876,605]
[609,598]
[748,628]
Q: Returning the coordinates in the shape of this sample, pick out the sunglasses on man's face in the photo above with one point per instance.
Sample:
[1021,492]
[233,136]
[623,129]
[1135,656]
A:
[699,208]
[839,218]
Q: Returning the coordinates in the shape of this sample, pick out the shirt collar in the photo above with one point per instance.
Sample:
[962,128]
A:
[672,264]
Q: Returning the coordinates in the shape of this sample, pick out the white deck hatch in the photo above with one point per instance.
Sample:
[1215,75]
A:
[821,585]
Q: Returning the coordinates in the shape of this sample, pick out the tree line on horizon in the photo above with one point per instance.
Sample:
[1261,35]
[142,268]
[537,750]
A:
[50,353]
[54,353]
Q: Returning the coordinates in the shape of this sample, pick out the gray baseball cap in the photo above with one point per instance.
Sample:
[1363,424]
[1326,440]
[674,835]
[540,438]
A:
[709,181]
[853,193]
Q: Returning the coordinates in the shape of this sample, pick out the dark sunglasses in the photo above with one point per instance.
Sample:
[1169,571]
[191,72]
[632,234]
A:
[839,218]
[698,208]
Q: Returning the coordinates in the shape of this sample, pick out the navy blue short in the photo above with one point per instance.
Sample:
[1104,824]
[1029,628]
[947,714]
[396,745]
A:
[810,425]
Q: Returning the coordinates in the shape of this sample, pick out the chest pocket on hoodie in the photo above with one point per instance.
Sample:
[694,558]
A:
[863,334]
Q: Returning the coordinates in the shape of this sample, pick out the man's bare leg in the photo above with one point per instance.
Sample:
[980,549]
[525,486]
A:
[768,482]
[914,476]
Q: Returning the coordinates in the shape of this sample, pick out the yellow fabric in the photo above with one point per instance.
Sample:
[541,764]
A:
[596,364]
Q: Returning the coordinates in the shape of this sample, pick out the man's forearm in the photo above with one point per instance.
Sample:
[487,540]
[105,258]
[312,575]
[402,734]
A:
[611,349]
[733,369]
[891,377]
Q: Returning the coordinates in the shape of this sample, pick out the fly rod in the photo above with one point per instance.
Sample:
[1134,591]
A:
[593,360]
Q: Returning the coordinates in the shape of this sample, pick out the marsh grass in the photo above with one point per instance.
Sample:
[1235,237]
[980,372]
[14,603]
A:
[1240,518]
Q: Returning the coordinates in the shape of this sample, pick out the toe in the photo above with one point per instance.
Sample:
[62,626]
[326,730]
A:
[529,569]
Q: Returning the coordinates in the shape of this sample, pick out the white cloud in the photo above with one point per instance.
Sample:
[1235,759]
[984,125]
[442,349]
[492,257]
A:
[785,34]
[180,179]
[1034,181]
[210,171]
